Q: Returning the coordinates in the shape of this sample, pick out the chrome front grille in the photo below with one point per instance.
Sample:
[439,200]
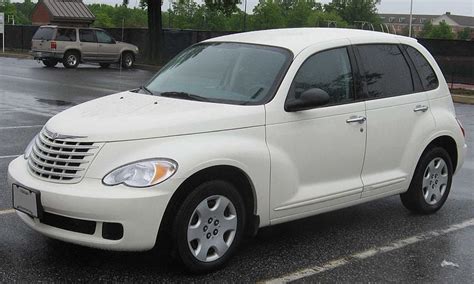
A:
[62,159]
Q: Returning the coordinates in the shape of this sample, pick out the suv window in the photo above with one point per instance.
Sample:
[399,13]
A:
[424,69]
[103,37]
[328,70]
[386,71]
[66,34]
[87,35]
[44,34]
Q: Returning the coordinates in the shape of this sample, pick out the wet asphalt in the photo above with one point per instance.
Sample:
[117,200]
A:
[30,94]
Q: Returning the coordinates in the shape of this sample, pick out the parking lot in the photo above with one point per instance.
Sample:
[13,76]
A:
[378,241]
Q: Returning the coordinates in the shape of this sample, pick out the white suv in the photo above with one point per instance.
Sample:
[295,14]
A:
[241,132]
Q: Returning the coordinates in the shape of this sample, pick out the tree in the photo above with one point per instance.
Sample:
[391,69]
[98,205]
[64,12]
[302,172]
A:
[426,30]
[267,15]
[299,12]
[442,31]
[324,19]
[227,7]
[355,10]
[464,34]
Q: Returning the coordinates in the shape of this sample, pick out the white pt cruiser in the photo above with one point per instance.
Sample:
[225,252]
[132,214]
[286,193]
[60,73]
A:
[241,132]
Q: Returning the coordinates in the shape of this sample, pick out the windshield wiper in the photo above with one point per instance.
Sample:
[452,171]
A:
[184,95]
[146,90]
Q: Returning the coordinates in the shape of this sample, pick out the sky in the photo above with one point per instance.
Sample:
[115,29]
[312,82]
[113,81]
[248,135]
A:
[435,7]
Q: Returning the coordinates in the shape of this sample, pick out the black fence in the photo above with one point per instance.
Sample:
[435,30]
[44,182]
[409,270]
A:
[455,57]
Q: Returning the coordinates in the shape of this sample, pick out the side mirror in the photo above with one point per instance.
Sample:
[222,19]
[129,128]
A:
[311,98]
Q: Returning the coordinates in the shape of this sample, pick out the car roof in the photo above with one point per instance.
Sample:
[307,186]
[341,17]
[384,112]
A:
[297,39]
[69,27]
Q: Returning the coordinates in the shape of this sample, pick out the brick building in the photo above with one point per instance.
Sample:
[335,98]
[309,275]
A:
[399,22]
[62,12]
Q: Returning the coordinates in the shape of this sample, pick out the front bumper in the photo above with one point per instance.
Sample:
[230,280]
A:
[41,55]
[139,211]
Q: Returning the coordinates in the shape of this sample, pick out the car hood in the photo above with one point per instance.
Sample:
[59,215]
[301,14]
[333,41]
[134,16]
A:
[129,116]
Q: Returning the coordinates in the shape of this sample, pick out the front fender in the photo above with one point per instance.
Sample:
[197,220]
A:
[241,148]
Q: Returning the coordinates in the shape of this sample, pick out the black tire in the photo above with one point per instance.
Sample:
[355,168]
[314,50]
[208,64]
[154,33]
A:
[127,60]
[50,63]
[71,59]
[183,220]
[414,199]
[104,65]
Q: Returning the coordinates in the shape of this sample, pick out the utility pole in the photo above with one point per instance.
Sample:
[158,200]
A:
[411,17]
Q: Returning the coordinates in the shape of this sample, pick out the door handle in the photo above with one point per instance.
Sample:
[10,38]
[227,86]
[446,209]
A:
[354,118]
[420,108]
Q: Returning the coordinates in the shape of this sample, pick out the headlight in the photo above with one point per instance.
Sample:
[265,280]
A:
[29,148]
[142,173]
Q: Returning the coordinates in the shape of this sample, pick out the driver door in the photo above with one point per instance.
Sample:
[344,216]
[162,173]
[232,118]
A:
[317,154]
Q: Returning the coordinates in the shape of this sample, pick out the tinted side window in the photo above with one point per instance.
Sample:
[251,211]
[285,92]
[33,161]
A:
[424,69]
[328,70]
[103,37]
[44,34]
[386,71]
[87,36]
[66,35]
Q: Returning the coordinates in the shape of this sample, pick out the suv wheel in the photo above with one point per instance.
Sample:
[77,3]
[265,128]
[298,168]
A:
[50,63]
[431,182]
[71,59]
[127,60]
[209,226]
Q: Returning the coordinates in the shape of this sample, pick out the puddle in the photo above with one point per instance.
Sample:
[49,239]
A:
[55,102]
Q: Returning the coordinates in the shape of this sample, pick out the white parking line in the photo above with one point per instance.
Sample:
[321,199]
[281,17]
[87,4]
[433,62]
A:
[20,126]
[9,156]
[311,271]
[7,211]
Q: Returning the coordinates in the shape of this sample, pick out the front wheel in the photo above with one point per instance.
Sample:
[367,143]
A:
[431,182]
[209,226]
[127,60]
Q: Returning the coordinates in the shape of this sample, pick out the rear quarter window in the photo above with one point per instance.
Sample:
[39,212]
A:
[66,35]
[424,69]
[44,34]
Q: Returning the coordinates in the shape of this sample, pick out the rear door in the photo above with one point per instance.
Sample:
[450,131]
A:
[398,117]
[88,44]
[65,38]
[107,48]
[42,39]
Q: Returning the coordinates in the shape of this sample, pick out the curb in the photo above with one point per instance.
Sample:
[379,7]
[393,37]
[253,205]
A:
[462,99]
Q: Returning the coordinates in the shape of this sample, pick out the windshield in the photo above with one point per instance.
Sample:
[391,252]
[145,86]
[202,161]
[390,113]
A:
[223,72]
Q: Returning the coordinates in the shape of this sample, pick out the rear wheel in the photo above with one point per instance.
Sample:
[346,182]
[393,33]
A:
[104,65]
[71,59]
[209,226]
[127,60]
[50,63]
[431,182]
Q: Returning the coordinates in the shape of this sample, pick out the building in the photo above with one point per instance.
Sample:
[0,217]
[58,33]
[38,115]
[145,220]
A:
[62,12]
[398,23]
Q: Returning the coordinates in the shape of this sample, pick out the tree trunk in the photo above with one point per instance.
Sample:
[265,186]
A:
[154,31]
